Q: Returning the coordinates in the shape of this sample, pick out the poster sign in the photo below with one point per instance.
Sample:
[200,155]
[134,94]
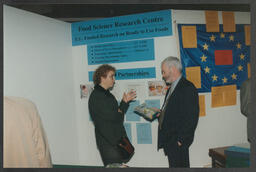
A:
[120,52]
[136,26]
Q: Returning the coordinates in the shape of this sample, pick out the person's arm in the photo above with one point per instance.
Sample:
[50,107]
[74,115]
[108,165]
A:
[123,107]
[40,141]
[245,98]
[189,113]
[99,106]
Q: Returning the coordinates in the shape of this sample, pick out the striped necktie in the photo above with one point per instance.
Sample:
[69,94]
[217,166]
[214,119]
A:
[161,117]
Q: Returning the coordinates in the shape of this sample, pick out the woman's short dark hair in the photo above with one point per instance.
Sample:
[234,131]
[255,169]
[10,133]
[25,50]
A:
[102,71]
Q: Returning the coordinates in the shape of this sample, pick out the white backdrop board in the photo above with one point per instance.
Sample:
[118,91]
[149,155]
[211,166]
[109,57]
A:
[212,130]
[38,66]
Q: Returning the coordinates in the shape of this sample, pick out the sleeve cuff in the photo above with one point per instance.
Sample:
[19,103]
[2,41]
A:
[123,106]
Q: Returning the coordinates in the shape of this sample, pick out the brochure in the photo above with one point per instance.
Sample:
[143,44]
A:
[146,112]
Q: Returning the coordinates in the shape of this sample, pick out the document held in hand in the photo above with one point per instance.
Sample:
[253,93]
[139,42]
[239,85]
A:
[146,112]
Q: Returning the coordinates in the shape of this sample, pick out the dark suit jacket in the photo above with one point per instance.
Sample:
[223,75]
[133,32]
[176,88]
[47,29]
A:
[181,116]
[108,122]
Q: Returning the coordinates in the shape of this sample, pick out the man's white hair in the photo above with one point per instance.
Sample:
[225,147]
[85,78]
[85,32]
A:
[172,61]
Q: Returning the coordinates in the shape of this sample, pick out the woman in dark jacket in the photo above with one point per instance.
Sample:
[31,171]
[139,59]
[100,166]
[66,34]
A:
[107,116]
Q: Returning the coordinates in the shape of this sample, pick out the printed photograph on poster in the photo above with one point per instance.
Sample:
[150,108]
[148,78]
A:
[157,88]
[85,90]
[139,88]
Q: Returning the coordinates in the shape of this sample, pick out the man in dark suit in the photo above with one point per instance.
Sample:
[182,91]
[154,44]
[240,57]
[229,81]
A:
[179,114]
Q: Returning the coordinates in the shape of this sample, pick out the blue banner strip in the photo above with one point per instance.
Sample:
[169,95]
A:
[137,73]
[144,134]
[136,26]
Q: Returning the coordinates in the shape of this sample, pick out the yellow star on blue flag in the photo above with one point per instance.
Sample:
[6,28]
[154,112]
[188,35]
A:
[222,57]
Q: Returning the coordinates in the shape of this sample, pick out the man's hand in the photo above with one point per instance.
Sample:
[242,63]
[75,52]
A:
[158,110]
[119,110]
[179,144]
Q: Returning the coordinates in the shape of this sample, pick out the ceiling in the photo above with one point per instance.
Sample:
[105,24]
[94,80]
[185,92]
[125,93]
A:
[81,12]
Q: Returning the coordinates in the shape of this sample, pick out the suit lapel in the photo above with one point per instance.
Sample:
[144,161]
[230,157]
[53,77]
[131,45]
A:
[178,86]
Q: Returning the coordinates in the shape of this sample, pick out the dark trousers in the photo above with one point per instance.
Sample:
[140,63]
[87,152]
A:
[110,154]
[178,156]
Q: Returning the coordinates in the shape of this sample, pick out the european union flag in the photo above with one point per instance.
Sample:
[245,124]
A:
[222,56]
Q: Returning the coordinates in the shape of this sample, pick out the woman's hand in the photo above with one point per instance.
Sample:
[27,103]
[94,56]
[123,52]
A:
[131,95]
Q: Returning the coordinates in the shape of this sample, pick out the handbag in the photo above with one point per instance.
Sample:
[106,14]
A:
[126,148]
